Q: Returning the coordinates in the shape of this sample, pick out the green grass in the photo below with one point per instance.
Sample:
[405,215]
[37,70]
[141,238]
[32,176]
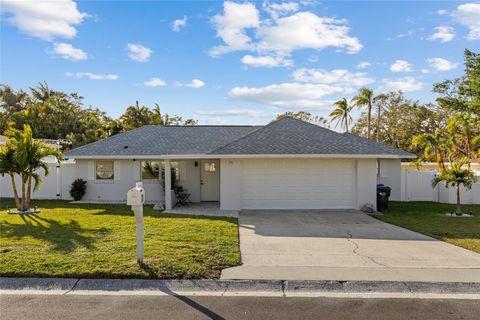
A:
[98,241]
[429,218]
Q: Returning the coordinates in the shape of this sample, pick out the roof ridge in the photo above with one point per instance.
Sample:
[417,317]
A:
[283,118]
[242,137]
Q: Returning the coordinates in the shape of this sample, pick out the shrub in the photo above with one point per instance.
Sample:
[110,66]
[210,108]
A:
[78,189]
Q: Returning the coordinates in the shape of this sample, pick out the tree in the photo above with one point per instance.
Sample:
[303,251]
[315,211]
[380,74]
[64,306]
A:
[305,116]
[365,98]
[436,146]
[24,156]
[456,176]
[342,113]
[379,101]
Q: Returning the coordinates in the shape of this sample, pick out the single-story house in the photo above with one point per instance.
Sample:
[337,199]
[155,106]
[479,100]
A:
[286,164]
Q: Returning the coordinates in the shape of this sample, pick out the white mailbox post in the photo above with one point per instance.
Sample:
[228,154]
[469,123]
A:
[136,199]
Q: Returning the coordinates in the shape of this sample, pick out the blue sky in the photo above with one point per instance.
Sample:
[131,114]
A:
[234,62]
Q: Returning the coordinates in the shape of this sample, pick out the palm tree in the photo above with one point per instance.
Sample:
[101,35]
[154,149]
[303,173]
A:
[456,176]
[342,113]
[437,146]
[379,101]
[365,98]
[9,166]
[25,156]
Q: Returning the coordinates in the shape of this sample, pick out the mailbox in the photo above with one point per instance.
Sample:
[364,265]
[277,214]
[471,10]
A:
[136,199]
[136,196]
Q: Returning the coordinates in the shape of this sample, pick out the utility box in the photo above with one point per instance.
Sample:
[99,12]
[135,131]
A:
[136,195]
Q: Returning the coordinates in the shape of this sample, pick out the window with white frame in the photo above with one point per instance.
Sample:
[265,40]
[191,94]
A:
[104,170]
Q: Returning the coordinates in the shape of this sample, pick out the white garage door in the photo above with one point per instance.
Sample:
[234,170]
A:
[298,184]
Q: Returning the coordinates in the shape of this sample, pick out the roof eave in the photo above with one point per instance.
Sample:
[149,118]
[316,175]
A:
[240,156]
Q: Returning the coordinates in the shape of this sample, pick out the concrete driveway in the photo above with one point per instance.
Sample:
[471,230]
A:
[344,245]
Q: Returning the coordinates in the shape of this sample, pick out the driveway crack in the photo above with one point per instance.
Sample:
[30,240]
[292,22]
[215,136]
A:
[357,248]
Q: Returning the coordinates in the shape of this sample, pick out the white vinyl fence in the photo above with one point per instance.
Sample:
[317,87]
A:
[417,186]
[54,186]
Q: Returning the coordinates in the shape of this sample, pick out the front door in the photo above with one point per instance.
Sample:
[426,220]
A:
[210,180]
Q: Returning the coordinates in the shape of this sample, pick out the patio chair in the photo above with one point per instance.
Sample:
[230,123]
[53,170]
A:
[183,197]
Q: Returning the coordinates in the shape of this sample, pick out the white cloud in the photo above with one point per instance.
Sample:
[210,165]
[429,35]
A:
[241,29]
[179,23]
[252,113]
[266,61]
[196,84]
[468,14]
[401,66]
[155,83]
[139,53]
[337,76]
[443,33]
[305,30]
[44,19]
[92,76]
[232,24]
[310,88]
[441,12]
[276,10]
[440,64]
[363,65]
[405,84]
[288,95]
[69,52]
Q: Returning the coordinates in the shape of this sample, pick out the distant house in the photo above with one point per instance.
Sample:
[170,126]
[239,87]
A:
[3,139]
[287,164]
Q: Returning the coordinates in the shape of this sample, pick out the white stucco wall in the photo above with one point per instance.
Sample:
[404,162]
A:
[390,174]
[230,184]
[127,172]
[366,182]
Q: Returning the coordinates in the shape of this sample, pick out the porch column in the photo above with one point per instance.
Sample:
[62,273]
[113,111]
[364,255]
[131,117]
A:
[168,185]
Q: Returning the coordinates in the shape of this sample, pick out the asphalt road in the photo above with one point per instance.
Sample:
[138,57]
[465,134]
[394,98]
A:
[51,307]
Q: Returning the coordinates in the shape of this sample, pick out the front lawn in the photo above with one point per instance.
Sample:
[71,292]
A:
[98,241]
[429,218]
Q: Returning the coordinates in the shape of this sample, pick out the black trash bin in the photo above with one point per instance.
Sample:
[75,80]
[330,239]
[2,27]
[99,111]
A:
[383,193]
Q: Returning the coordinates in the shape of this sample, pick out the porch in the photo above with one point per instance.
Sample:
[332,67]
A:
[199,179]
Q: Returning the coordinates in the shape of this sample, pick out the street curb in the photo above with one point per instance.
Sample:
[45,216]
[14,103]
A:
[232,287]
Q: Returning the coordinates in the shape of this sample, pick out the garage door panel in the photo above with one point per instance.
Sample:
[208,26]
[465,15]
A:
[298,184]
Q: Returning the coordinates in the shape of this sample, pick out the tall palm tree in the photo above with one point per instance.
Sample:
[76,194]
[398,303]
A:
[379,101]
[27,158]
[365,98]
[342,113]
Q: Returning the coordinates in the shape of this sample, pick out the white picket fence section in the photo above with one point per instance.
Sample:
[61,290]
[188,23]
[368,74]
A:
[417,186]
[54,186]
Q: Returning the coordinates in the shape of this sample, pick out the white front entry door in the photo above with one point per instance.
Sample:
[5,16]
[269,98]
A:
[210,180]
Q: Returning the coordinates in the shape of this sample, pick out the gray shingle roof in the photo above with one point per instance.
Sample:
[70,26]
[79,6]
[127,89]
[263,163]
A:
[293,136]
[163,140]
[285,136]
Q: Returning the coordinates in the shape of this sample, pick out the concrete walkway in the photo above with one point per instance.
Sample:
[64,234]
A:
[344,245]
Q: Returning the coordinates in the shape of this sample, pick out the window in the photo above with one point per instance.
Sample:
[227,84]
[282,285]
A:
[209,166]
[150,170]
[104,170]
